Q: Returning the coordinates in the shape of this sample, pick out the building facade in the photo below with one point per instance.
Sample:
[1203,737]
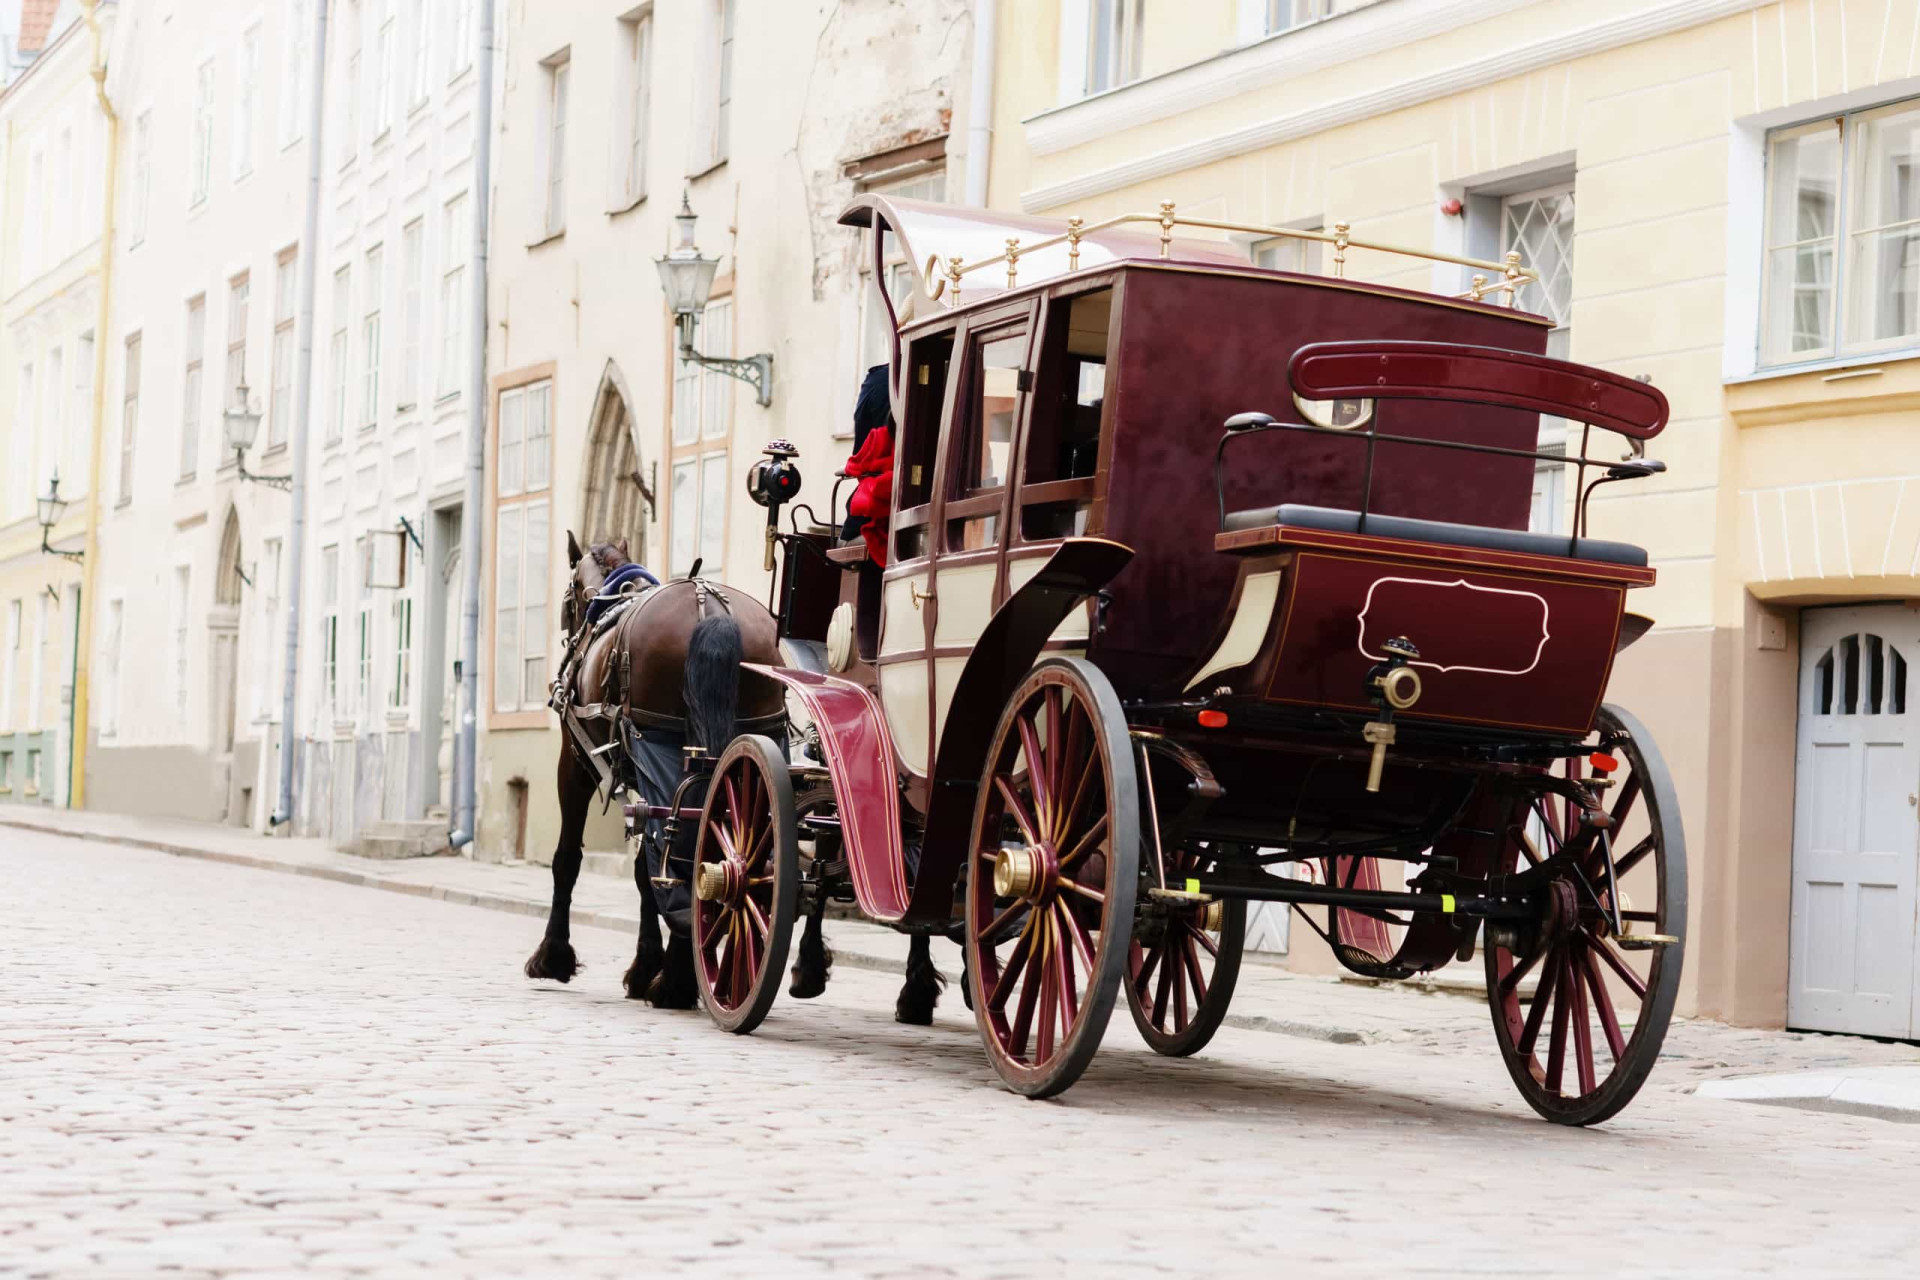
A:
[612,113]
[1719,197]
[53,142]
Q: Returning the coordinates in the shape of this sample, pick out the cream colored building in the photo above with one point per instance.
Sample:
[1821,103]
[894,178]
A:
[53,142]
[768,117]
[1721,196]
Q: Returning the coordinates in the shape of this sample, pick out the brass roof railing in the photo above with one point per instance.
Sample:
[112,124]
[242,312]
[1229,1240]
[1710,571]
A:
[1507,277]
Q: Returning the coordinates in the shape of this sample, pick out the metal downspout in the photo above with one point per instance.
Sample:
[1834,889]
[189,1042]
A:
[90,567]
[467,702]
[303,416]
[980,104]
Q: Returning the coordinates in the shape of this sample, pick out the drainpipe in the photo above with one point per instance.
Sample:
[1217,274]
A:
[303,414]
[90,567]
[980,105]
[467,701]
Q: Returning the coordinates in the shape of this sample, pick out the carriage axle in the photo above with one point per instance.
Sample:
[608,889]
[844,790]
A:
[1484,908]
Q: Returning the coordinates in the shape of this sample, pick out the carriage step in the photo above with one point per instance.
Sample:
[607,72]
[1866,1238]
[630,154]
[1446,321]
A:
[1367,964]
[1644,941]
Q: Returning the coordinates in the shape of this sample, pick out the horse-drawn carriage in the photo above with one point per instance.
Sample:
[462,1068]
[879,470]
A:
[1210,585]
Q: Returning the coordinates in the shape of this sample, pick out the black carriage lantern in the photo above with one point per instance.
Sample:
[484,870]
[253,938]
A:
[242,424]
[687,277]
[48,509]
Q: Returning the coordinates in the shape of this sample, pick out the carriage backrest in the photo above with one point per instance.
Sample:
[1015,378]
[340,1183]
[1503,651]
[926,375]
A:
[1402,370]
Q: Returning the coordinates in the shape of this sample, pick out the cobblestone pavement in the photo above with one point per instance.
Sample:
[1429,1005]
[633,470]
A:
[218,1070]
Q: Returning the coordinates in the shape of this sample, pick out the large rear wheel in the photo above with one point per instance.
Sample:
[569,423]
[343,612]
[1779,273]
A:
[746,878]
[1580,1008]
[1053,876]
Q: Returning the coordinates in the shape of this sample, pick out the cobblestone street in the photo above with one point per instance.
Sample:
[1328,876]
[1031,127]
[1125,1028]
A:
[222,1070]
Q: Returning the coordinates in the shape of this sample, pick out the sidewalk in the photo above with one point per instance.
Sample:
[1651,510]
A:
[1442,1017]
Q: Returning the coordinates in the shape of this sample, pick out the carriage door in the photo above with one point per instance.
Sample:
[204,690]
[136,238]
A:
[1856,798]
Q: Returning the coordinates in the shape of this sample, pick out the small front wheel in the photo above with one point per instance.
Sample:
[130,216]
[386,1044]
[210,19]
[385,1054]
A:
[746,880]
[1055,866]
[1184,963]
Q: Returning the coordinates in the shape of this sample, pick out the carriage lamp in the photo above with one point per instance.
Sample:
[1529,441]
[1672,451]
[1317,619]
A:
[686,275]
[773,482]
[48,509]
[242,424]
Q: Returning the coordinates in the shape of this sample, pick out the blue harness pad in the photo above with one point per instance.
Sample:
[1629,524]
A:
[611,589]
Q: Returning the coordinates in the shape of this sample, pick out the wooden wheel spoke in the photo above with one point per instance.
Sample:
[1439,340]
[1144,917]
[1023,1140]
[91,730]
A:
[1074,748]
[1150,959]
[1604,949]
[1557,1045]
[1049,993]
[1069,997]
[1082,940]
[1212,947]
[1192,955]
[1037,766]
[1029,830]
[1177,962]
[1016,962]
[758,918]
[725,839]
[1603,1007]
[1071,809]
[712,934]
[1000,922]
[1542,996]
[1056,741]
[1582,1029]
[1165,989]
[1633,857]
[758,849]
[1623,802]
[1086,844]
[1519,971]
[731,790]
[1071,885]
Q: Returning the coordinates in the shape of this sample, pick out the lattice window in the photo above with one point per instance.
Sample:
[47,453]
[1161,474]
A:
[1860,675]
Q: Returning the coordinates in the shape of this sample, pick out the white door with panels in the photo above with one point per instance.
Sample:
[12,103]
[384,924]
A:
[1855,946]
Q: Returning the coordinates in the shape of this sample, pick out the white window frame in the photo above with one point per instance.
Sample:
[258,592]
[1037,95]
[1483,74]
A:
[267,626]
[370,339]
[455,230]
[460,37]
[420,72]
[239,303]
[385,34]
[523,562]
[330,629]
[246,74]
[142,177]
[200,162]
[131,354]
[413,266]
[558,71]
[295,66]
[286,288]
[1123,21]
[338,354]
[193,386]
[636,88]
[713,87]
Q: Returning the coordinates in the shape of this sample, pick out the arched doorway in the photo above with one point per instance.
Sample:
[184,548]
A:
[616,495]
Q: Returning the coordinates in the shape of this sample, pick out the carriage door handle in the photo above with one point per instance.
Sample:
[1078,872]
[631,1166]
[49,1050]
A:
[917,595]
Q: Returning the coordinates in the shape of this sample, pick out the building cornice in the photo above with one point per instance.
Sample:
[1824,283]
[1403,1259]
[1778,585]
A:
[1599,37]
[1272,60]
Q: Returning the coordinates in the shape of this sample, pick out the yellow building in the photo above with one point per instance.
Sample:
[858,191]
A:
[1722,196]
[52,146]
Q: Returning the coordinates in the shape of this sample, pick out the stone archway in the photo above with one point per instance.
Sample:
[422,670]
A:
[616,499]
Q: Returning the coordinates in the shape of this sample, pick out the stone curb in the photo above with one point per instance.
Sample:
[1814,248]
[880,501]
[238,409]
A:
[583,918]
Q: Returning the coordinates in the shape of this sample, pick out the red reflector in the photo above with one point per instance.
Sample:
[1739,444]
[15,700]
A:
[1603,762]
[1213,719]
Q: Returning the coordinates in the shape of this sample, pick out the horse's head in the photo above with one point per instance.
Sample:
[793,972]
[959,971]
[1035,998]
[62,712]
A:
[590,570]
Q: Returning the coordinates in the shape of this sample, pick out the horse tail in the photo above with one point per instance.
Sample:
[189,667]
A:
[712,684]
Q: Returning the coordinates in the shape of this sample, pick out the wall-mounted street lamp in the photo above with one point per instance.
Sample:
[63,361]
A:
[687,277]
[243,428]
[48,509]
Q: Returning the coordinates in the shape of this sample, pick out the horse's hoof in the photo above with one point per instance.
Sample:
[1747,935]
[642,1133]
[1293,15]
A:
[640,979]
[662,994]
[915,1007]
[806,986]
[554,960]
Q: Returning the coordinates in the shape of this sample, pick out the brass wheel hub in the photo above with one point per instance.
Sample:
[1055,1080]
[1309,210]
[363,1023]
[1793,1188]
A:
[1023,873]
[713,881]
[1213,918]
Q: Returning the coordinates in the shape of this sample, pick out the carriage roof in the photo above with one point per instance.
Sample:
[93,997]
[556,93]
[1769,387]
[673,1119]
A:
[963,258]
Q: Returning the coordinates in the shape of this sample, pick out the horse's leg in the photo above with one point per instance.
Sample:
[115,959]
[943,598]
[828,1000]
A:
[673,987]
[921,991]
[554,957]
[815,962]
[646,960]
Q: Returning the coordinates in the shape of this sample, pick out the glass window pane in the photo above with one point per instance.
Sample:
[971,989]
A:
[686,514]
[539,407]
[1803,177]
[713,512]
[506,619]
[1884,264]
[513,411]
[686,402]
[991,433]
[717,395]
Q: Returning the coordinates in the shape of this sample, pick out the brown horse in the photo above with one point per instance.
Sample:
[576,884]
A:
[671,662]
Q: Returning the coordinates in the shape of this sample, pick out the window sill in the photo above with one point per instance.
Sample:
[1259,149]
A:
[273,451]
[1828,390]
[185,480]
[697,174]
[1832,364]
[446,398]
[548,238]
[121,504]
[633,202]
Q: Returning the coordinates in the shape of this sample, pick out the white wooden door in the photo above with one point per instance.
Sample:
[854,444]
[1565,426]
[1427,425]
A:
[1856,795]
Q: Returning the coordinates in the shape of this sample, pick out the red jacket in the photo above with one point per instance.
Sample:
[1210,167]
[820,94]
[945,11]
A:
[872,469]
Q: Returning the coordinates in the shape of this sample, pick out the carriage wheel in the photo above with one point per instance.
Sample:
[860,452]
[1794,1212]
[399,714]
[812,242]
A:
[1056,864]
[1581,1047]
[746,878]
[1182,968]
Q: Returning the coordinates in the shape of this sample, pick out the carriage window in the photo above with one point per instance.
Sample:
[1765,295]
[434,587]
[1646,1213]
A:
[1063,441]
[983,444]
[928,360]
